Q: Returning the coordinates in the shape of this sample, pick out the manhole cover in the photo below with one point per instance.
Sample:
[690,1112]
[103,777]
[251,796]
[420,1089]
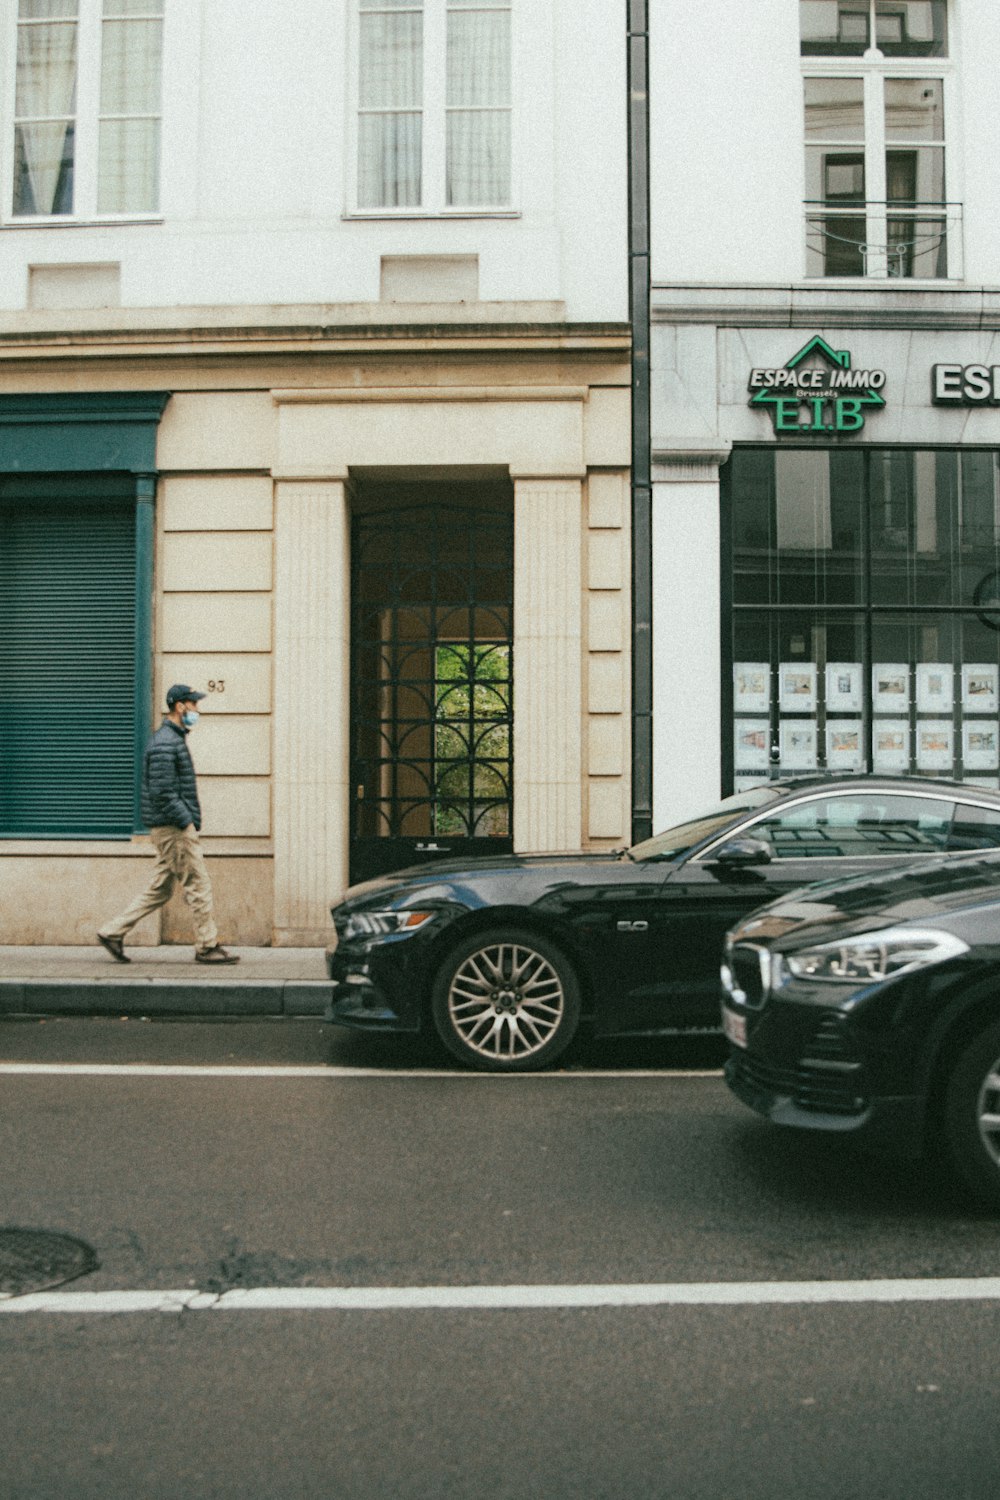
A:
[31,1260]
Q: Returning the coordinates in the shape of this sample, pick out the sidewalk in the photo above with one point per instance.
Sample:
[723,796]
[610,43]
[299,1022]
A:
[160,982]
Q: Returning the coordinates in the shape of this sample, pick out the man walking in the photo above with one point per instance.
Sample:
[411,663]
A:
[172,813]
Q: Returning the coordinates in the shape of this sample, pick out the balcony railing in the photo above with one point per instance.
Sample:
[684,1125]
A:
[887,240]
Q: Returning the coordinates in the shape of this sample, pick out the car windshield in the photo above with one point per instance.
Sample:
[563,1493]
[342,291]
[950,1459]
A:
[674,842]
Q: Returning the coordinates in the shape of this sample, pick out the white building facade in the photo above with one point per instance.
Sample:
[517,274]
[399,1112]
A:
[825,392]
[314,393]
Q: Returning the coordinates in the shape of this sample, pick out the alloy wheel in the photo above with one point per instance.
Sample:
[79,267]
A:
[506,1001]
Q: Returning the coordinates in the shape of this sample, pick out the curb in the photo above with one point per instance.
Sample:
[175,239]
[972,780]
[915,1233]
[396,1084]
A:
[162,997]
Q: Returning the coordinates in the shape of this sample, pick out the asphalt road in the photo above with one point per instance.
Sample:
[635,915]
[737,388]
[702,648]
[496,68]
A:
[382,1168]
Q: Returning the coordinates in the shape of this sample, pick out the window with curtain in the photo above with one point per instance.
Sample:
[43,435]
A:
[434,104]
[87,107]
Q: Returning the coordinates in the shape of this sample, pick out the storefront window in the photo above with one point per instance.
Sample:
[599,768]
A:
[798,536]
[866,613]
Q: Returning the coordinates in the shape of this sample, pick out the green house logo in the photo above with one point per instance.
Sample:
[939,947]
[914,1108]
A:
[817,394]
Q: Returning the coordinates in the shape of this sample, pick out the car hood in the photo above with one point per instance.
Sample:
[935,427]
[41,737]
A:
[925,893]
[452,878]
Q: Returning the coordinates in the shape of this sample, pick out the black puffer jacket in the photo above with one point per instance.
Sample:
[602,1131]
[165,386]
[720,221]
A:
[169,788]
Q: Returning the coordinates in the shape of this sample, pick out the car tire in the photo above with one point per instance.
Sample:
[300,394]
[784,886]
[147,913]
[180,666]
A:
[971,1103]
[506,1001]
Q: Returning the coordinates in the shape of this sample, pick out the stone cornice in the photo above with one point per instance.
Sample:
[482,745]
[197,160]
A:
[796,306]
[369,328]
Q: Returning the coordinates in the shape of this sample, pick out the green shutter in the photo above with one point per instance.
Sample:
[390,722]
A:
[68,661]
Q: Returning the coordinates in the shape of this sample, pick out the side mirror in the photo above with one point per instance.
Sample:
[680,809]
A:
[741,853]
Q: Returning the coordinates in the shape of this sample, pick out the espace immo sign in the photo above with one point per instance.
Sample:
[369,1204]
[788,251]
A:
[828,397]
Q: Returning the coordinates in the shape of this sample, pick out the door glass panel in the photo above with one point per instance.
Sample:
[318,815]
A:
[834,28]
[472,738]
[836,240]
[915,178]
[835,109]
[835,178]
[911,28]
[914,109]
[836,244]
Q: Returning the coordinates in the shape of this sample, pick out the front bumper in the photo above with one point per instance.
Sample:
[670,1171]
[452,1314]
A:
[803,1068]
[370,992]
[364,1009]
[891,1124]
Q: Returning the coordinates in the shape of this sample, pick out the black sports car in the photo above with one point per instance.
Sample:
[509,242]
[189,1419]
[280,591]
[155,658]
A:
[506,955]
[872,1007]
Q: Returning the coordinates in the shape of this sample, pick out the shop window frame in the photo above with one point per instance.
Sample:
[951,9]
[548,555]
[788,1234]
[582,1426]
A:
[865,609]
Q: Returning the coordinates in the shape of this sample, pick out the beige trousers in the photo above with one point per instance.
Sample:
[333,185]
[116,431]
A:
[179,861]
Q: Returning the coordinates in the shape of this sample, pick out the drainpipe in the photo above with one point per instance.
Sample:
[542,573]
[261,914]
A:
[642,493]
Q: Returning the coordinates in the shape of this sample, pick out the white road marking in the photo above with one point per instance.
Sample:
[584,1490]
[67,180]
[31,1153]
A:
[197,1070]
[498,1298]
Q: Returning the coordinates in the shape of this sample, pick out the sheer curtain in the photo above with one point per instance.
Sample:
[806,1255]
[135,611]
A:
[129,146]
[478,105]
[45,106]
[390,120]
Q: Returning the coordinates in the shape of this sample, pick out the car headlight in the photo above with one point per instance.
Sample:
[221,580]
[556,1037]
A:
[874,955]
[381,923]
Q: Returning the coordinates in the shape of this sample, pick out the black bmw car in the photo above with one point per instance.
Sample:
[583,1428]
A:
[506,956]
[872,1007]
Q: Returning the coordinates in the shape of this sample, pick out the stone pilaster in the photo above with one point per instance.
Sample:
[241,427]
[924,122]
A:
[548,762]
[687,705]
[311,708]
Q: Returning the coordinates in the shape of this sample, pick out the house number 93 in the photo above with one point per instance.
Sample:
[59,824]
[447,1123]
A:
[217,685]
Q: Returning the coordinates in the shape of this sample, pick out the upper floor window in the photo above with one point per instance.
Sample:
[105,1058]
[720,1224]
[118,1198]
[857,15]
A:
[434,104]
[87,107]
[876,189]
[849,28]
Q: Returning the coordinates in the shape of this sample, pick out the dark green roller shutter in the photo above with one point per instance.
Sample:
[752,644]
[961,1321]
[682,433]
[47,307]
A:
[68,662]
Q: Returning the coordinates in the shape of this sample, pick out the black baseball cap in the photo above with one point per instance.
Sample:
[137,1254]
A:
[181,693]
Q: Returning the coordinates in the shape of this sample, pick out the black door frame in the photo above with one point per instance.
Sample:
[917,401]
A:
[432,665]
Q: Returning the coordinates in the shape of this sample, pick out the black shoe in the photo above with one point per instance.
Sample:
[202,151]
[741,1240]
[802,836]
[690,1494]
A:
[115,947]
[216,955]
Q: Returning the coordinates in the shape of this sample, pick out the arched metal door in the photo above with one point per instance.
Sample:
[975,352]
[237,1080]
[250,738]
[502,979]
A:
[431,685]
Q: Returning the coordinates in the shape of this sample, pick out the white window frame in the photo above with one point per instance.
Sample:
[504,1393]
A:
[434,110]
[90,21]
[873,69]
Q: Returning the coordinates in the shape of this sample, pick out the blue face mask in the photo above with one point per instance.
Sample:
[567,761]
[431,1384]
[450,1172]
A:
[189,718]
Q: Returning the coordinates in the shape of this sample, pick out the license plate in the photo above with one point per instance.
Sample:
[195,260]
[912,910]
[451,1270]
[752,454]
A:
[735,1027]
